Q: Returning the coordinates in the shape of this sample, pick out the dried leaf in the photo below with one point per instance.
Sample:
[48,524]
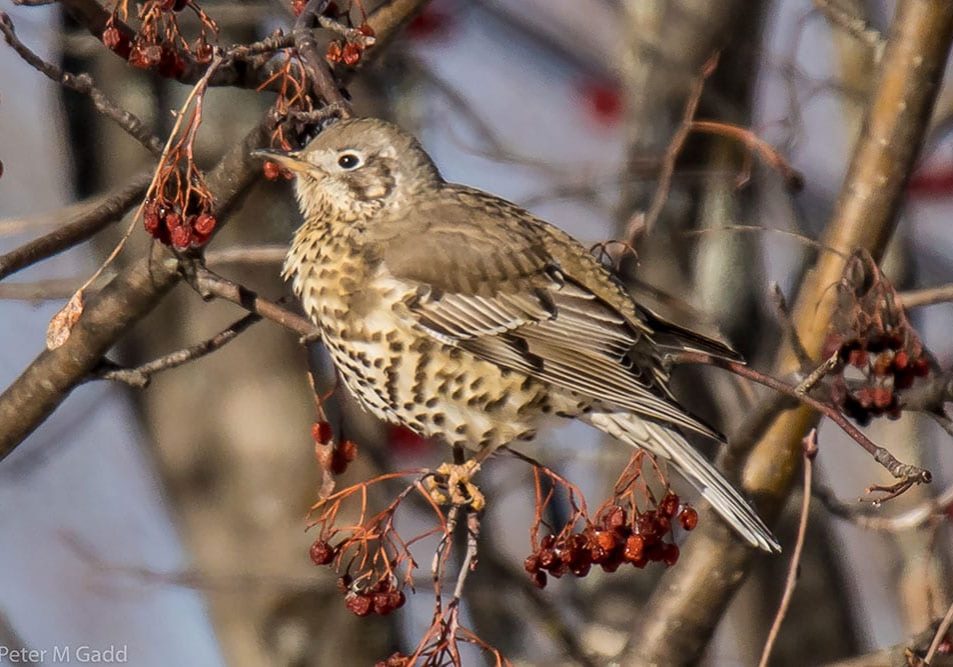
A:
[62,323]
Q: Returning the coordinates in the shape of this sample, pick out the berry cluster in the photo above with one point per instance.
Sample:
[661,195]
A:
[166,222]
[616,537]
[159,45]
[873,339]
[350,49]
[371,592]
[382,598]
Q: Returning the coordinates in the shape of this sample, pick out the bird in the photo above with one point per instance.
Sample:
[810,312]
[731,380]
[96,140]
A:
[467,319]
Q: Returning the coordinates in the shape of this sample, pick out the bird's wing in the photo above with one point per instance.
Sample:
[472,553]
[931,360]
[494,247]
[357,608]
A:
[489,278]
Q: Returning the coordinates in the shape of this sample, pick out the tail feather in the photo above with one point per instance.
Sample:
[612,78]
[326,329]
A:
[669,445]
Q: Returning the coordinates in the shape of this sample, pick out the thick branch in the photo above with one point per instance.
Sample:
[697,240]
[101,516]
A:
[691,598]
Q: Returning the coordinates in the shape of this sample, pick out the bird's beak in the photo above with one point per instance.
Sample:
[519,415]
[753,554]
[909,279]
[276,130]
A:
[289,161]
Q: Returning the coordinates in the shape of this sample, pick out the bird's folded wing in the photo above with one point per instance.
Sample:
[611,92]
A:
[496,291]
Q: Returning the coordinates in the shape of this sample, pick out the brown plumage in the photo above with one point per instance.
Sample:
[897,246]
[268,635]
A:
[466,318]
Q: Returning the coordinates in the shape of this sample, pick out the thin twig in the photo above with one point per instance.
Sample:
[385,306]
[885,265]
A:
[927,296]
[939,636]
[140,376]
[77,224]
[209,284]
[83,84]
[641,224]
[905,472]
[810,451]
[818,374]
[862,516]
[792,177]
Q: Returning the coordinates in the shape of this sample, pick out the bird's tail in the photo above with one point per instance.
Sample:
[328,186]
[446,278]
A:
[669,445]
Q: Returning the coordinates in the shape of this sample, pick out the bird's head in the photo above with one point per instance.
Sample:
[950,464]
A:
[355,168]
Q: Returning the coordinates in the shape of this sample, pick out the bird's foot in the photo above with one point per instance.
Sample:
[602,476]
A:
[451,485]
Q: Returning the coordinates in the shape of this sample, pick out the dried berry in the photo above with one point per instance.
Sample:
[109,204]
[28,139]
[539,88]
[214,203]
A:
[669,505]
[321,432]
[321,552]
[351,54]
[634,547]
[359,604]
[271,170]
[334,52]
[181,237]
[670,554]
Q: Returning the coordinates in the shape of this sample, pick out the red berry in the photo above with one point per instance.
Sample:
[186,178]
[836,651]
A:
[669,505]
[359,604]
[615,519]
[366,29]
[921,367]
[321,552]
[150,220]
[900,360]
[882,397]
[297,6]
[539,579]
[172,221]
[351,54]
[547,558]
[334,52]
[181,237]
[204,224]
[605,540]
[688,518]
[321,432]
[634,547]
[858,358]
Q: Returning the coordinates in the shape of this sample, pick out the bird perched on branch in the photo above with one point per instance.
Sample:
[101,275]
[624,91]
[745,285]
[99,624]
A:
[467,319]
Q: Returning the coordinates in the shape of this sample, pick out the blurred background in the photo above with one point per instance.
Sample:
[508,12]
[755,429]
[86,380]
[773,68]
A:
[171,521]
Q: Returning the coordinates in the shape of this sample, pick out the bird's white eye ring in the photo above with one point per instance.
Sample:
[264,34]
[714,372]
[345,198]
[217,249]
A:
[349,161]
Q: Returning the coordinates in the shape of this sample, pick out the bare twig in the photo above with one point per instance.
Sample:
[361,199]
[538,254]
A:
[810,451]
[643,223]
[78,223]
[939,636]
[792,177]
[140,376]
[926,297]
[863,516]
[83,84]
[902,471]
[209,284]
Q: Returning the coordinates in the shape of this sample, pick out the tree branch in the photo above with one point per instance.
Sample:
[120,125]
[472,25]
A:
[140,376]
[80,222]
[691,598]
[83,84]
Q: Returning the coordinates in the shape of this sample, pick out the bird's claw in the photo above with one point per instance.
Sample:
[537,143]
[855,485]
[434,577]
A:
[451,485]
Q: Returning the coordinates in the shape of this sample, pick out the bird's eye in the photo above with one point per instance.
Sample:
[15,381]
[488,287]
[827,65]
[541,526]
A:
[349,161]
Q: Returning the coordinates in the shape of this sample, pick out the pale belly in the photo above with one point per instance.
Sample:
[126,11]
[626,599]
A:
[435,390]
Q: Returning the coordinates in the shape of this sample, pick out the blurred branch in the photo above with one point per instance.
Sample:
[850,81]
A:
[209,285]
[905,654]
[691,598]
[140,376]
[855,26]
[77,223]
[83,84]
[927,296]
[810,452]
[863,515]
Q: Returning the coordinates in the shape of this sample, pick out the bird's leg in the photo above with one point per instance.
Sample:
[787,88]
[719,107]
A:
[451,484]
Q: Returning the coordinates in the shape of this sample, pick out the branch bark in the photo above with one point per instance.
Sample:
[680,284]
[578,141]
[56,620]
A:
[691,598]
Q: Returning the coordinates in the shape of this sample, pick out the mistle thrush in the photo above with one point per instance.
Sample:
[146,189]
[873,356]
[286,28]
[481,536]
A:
[467,319]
